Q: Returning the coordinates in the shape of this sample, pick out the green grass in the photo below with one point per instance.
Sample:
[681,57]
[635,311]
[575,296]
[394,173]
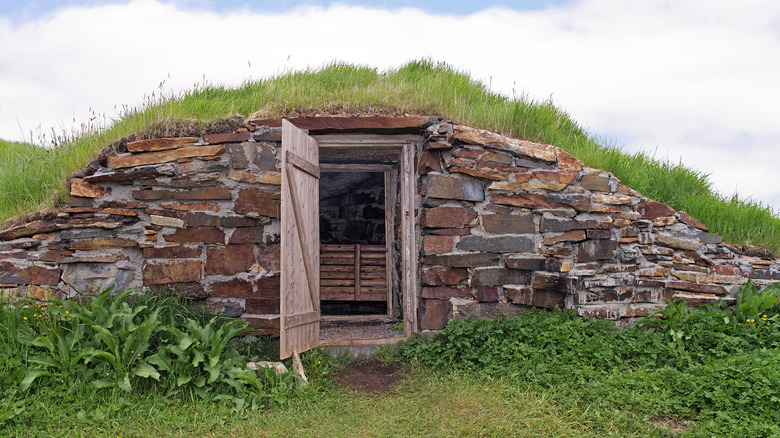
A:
[537,374]
[419,87]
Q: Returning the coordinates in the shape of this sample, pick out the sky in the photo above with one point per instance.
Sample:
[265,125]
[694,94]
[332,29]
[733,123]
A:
[687,80]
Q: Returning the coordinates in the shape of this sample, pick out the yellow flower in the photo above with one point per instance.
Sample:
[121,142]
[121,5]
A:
[66,312]
[25,318]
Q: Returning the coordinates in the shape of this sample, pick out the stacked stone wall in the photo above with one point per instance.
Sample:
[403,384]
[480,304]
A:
[503,225]
[507,224]
[198,215]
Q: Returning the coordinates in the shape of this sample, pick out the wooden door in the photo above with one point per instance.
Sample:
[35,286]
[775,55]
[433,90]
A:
[300,211]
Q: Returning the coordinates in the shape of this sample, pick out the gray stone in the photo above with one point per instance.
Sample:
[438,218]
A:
[532,263]
[85,233]
[709,238]
[463,260]
[496,244]
[554,225]
[508,223]
[670,241]
[485,310]
[452,187]
[91,278]
[592,250]
[498,277]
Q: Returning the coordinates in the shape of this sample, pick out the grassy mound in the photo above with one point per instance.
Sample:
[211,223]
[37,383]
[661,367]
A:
[30,177]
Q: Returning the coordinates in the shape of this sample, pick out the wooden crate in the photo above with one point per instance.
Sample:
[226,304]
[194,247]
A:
[353,272]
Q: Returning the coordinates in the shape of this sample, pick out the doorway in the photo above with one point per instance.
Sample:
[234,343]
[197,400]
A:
[358,284]
[354,238]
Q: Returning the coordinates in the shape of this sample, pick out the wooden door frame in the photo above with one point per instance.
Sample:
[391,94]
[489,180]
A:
[407,145]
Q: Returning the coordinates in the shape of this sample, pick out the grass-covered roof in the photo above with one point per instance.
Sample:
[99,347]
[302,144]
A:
[32,177]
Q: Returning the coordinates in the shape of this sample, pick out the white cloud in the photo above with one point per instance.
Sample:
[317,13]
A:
[696,79]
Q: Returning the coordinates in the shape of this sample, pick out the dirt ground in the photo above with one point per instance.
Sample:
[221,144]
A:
[370,375]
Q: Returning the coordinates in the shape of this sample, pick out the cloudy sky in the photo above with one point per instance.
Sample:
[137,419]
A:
[697,81]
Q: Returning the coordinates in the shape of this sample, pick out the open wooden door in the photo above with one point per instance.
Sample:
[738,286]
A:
[300,211]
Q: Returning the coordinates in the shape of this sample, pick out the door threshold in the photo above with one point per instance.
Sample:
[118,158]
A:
[352,342]
[355,318]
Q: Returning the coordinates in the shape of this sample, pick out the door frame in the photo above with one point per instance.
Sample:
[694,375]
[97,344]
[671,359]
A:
[406,145]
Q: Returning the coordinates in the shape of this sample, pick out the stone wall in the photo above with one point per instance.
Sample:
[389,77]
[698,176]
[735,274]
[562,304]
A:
[503,224]
[196,214]
[356,216]
[509,224]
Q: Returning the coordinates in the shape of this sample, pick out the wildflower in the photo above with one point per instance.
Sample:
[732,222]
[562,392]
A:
[25,318]
[66,312]
[323,373]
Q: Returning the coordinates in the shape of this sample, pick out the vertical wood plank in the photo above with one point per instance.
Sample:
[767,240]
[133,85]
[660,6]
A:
[300,262]
[408,241]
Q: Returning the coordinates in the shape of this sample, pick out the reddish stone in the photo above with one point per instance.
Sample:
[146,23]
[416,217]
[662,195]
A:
[236,288]
[487,294]
[696,287]
[726,270]
[560,176]
[266,326]
[595,182]
[438,244]
[267,287]
[485,165]
[262,306]
[231,137]
[526,296]
[449,231]
[569,236]
[434,314]
[453,187]
[207,206]
[160,144]
[691,221]
[172,271]
[650,209]
[182,195]
[172,252]
[508,223]
[79,187]
[28,229]
[41,276]
[495,175]
[471,153]
[430,162]
[567,161]
[498,277]
[247,235]
[445,293]
[599,234]
[463,260]
[200,219]
[189,290]
[184,236]
[256,202]
[444,276]
[229,259]
[533,201]
[269,256]
[447,217]
[131,160]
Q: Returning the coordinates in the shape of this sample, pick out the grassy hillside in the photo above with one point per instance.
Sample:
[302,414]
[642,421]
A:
[30,176]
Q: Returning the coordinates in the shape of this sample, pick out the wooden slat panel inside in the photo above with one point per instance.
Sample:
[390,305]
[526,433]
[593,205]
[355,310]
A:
[341,275]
